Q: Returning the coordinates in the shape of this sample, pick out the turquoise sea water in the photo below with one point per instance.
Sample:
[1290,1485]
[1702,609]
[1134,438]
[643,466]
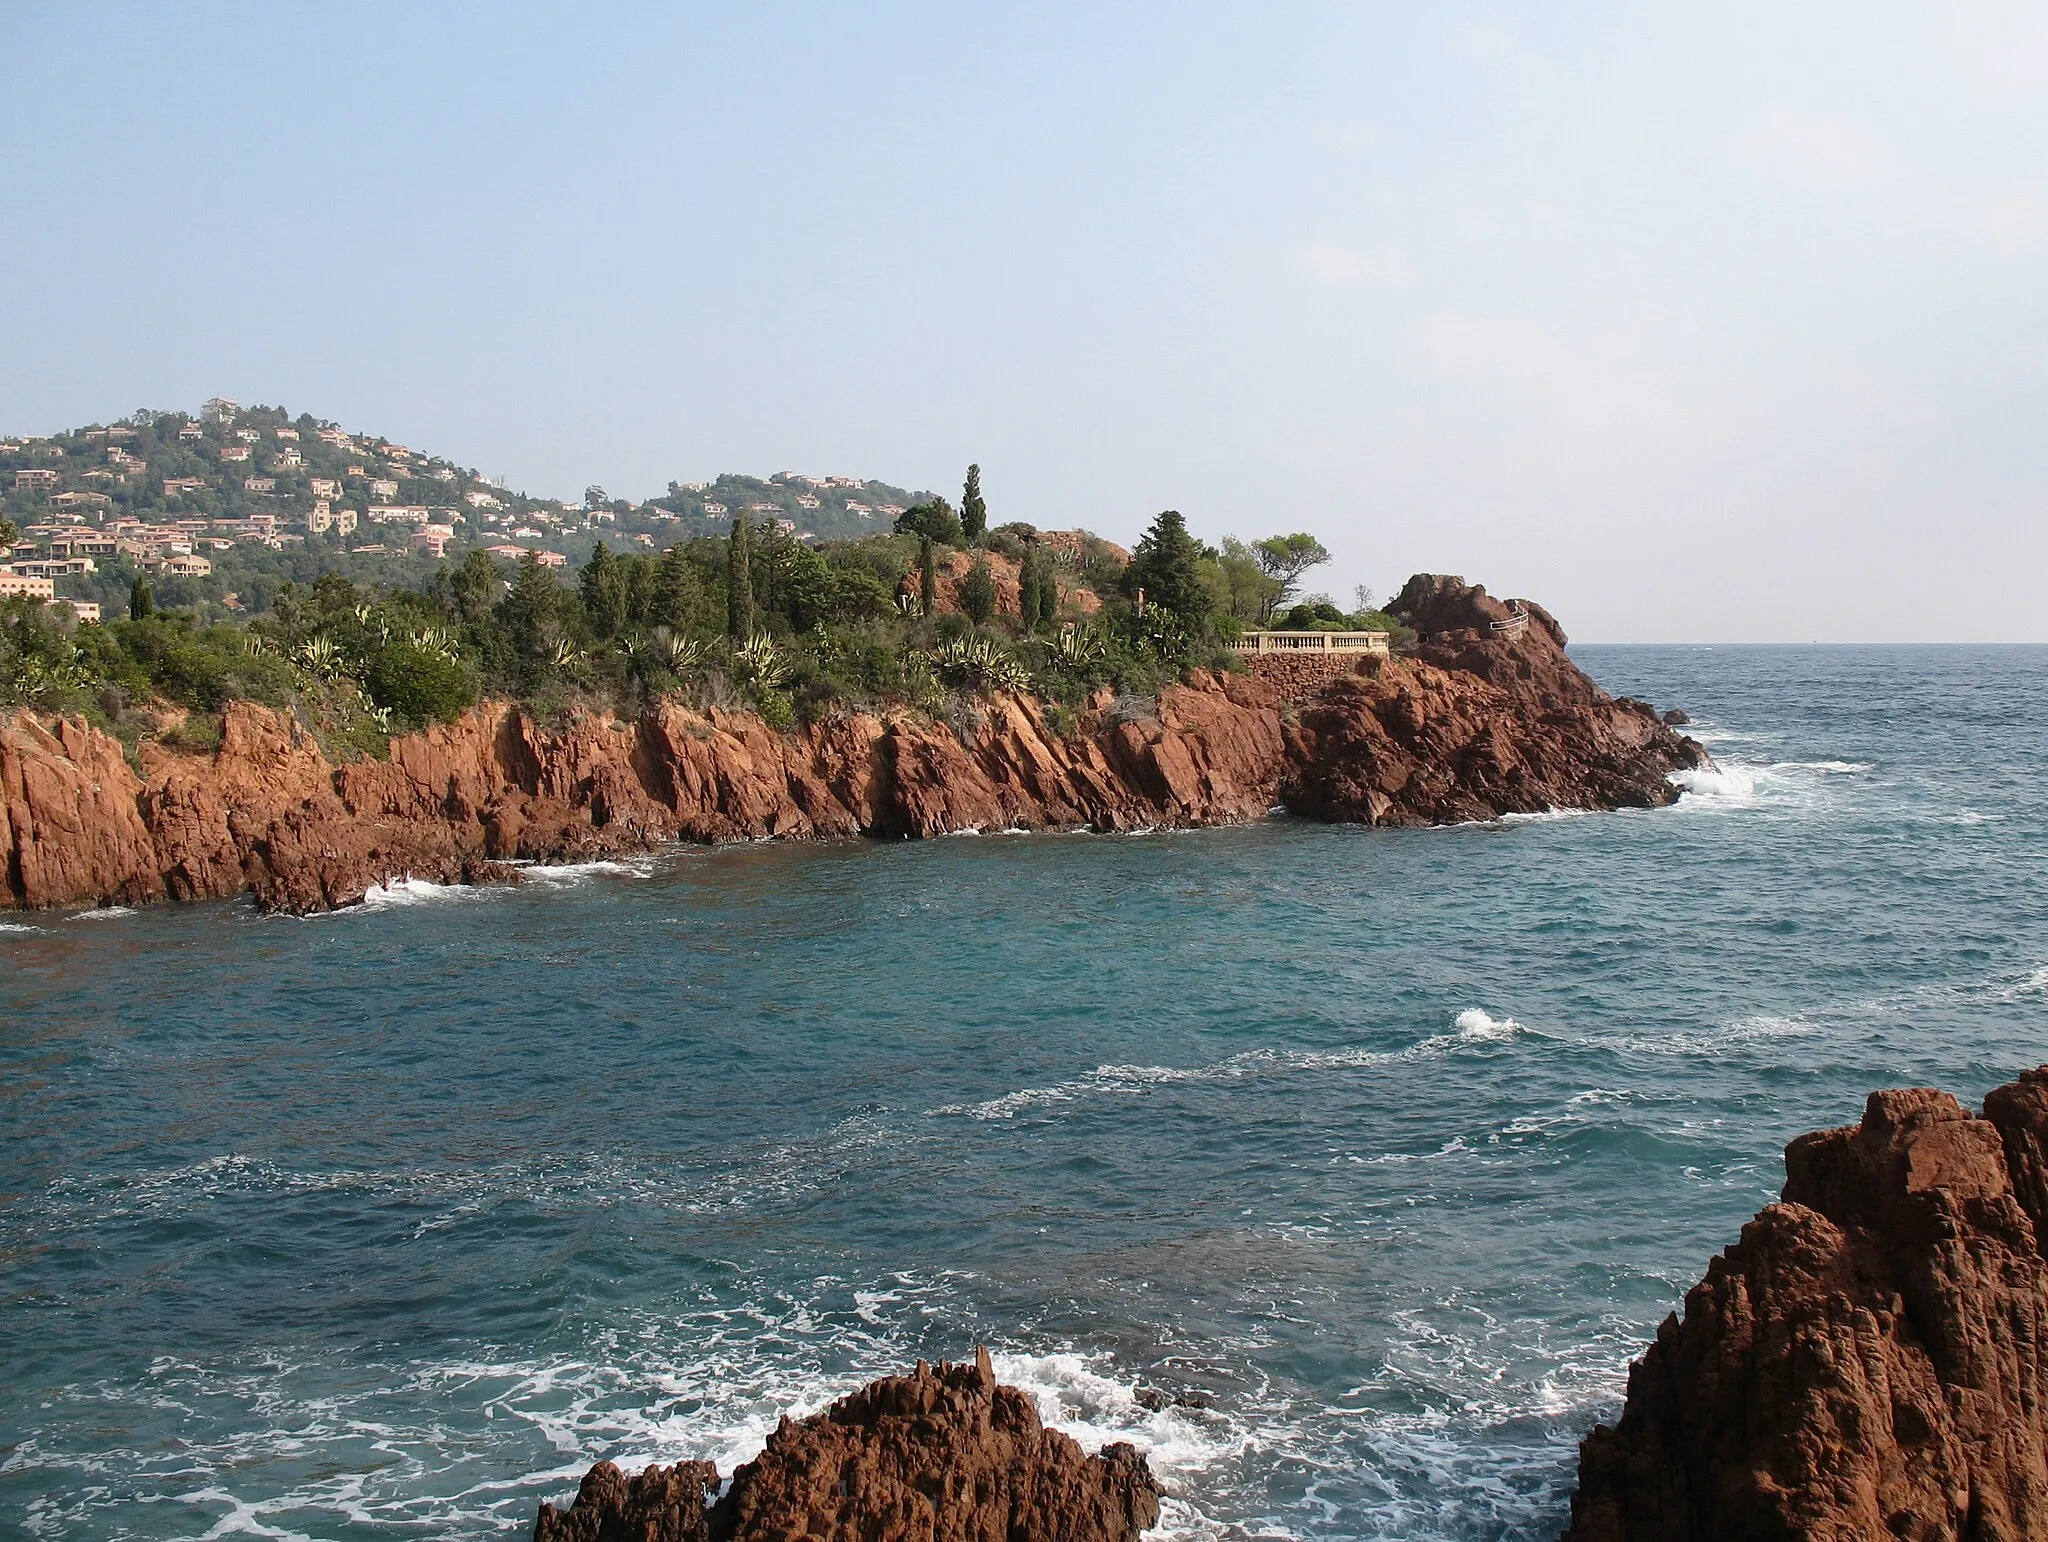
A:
[1342,1169]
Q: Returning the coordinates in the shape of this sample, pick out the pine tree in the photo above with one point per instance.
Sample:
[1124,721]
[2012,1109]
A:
[675,591]
[600,589]
[1167,566]
[739,582]
[927,578]
[973,512]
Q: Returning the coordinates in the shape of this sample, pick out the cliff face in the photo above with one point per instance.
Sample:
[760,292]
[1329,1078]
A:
[1488,716]
[1870,1360]
[1479,725]
[942,1455]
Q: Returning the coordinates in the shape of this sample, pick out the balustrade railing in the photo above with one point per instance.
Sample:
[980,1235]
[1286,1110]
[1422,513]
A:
[1310,642]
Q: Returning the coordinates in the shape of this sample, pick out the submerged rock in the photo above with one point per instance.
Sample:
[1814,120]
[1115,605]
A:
[1869,1361]
[942,1455]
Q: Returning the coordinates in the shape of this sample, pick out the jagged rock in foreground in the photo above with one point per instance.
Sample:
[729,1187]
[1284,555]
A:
[1481,722]
[1869,1361]
[942,1455]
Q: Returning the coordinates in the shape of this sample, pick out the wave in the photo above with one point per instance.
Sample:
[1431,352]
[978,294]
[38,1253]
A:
[401,893]
[1473,1026]
[103,913]
[16,926]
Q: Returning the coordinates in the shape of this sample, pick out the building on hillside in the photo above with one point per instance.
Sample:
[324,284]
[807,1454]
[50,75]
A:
[714,508]
[508,553]
[219,409]
[185,566]
[54,567]
[286,433]
[319,518]
[641,538]
[324,487]
[785,527]
[478,500]
[96,544]
[249,435]
[433,539]
[81,501]
[173,486]
[528,533]
[290,458]
[35,476]
[259,484]
[13,584]
[335,437]
[191,431]
[400,513]
[86,611]
[235,452]
[551,559]
[383,489]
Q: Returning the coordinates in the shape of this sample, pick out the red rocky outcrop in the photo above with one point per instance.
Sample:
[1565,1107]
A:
[1869,1361]
[942,1455]
[1487,716]
[1475,726]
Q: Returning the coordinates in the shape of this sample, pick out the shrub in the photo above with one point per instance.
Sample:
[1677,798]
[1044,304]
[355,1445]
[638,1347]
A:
[419,684]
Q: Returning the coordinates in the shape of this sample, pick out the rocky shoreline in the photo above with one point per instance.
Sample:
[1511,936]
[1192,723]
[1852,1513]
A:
[1870,1360]
[944,1454]
[1486,716]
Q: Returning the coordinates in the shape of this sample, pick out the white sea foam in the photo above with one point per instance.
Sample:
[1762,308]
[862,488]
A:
[1473,1027]
[1726,785]
[398,893]
[1475,1023]
[561,874]
[104,913]
[16,926]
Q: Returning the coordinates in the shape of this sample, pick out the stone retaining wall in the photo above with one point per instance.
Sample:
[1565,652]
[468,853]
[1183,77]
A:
[1302,674]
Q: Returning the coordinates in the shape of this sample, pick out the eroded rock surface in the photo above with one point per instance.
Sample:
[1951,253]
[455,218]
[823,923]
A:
[1869,1361]
[1478,724]
[1487,716]
[942,1455]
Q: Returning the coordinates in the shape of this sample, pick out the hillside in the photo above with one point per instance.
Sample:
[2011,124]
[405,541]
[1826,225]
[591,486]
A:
[227,504]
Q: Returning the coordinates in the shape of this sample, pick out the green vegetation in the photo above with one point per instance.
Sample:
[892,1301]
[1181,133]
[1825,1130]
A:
[733,610]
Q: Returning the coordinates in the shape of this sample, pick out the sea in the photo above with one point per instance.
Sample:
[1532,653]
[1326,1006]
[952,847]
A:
[1341,1170]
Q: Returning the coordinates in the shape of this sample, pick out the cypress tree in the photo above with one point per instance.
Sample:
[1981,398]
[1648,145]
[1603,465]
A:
[739,582]
[141,600]
[596,582]
[927,578]
[973,512]
[1048,597]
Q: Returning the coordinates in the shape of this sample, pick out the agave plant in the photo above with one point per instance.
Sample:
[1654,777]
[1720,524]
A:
[977,664]
[762,662]
[564,654]
[435,640]
[31,679]
[321,656]
[1081,645]
[680,654]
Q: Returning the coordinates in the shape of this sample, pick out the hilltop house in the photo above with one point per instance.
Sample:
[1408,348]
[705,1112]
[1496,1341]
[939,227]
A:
[35,476]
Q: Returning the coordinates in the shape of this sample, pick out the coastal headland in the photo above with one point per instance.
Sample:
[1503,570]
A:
[1483,715]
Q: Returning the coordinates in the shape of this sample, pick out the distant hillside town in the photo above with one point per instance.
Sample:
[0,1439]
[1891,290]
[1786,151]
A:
[229,504]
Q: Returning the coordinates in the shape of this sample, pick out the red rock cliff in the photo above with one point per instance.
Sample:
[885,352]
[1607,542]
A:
[1479,725]
[1869,1361]
[941,1455]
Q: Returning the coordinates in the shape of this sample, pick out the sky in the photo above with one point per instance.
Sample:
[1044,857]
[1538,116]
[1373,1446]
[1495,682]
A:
[1695,323]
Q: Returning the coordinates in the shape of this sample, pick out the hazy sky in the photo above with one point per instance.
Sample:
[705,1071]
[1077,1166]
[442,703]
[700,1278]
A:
[1694,322]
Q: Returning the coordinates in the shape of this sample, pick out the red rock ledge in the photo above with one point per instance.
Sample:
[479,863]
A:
[1869,1361]
[941,1455]
[1488,717]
